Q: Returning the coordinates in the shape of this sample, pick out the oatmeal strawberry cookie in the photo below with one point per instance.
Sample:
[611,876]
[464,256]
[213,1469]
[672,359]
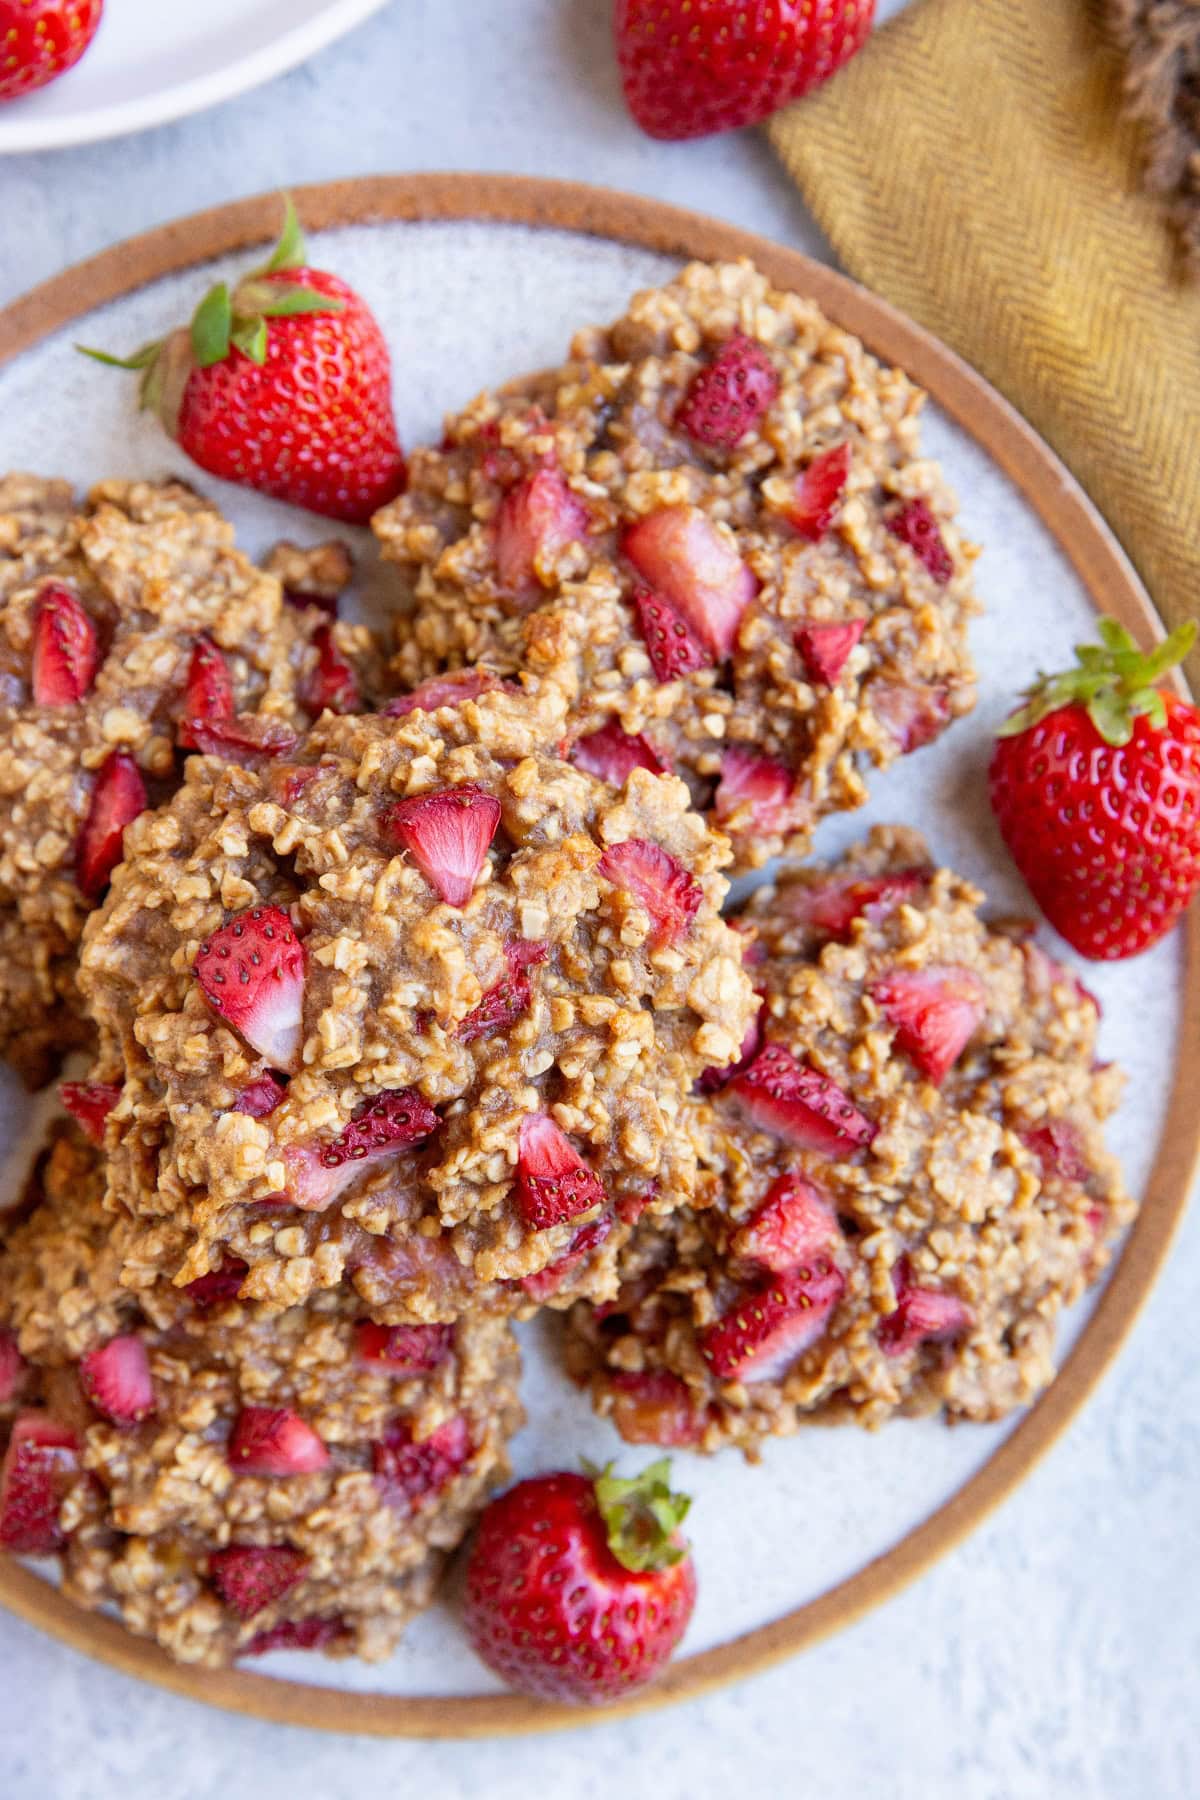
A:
[415,1005]
[903,1177]
[715,528]
[131,631]
[231,1482]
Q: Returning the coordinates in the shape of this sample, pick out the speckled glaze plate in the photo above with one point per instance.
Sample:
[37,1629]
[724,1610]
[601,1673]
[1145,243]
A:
[477,279]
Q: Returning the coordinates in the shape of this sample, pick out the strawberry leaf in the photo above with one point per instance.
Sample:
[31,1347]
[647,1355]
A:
[141,359]
[283,300]
[1114,681]
[212,324]
[641,1515]
[291,250]
[250,337]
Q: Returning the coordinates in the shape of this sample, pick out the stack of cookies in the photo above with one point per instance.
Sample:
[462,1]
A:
[411,1007]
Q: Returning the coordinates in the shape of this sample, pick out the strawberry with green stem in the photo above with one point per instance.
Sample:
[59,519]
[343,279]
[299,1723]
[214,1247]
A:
[282,384]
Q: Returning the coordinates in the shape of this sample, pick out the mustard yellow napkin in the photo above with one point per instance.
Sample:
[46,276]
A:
[972,166]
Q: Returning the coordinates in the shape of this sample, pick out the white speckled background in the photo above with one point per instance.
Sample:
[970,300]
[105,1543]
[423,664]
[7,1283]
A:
[1060,1646]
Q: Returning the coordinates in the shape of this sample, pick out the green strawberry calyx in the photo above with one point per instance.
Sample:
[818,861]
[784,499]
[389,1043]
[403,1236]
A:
[225,321]
[641,1516]
[1114,681]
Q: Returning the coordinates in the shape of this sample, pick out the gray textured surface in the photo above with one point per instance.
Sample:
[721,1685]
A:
[1058,1649]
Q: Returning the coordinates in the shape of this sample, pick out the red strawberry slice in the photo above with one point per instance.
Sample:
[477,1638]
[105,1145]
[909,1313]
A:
[13,1368]
[794,1224]
[89,1104]
[1058,1146]
[404,1349]
[760,1338]
[443,690]
[761,784]
[711,1080]
[613,754]
[249,1577]
[41,1460]
[935,1011]
[798,1104]
[652,1406]
[911,713]
[826,647]
[208,692]
[118,798]
[832,906]
[663,886]
[116,1379]
[66,651]
[219,1285]
[535,524]
[818,490]
[287,781]
[731,397]
[922,1315]
[252,975]
[298,1634]
[409,1473]
[261,1098]
[271,1440]
[332,686]
[244,738]
[448,834]
[509,998]
[553,1181]
[383,1127]
[672,645]
[696,569]
[546,1282]
[914,524]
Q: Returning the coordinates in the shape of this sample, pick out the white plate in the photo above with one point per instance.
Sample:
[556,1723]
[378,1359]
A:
[156,60]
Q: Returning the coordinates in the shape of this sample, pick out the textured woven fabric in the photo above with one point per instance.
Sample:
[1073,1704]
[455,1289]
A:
[972,165]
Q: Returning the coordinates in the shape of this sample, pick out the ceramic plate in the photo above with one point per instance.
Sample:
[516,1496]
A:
[477,280]
[156,60]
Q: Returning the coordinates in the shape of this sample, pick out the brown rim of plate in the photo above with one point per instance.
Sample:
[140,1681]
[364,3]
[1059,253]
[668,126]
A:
[1104,569]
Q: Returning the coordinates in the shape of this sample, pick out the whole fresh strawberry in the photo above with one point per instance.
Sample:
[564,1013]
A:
[690,67]
[1095,784]
[41,39]
[579,1587]
[283,385]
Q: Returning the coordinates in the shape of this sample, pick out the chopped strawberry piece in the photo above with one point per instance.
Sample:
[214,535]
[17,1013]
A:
[207,694]
[243,738]
[66,650]
[448,834]
[798,1104]
[663,886]
[935,1011]
[298,1634]
[761,784]
[696,569]
[922,1315]
[41,1460]
[443,690]
[13,1368]
[249,1577]
[1058,1146]
[271,1440]
[89,1104]
[914,524]
[261,1098]
[535,524]
[252,975]
[553,1181]
[218,1285]
[672,645]
[116,1379]
[912,714]
[382,1127]
[118,798]
[613,754]
[761,1337]
[831,906]
[410,1473]
[332,686]
[652,1406]
[547,1281]
[711,1080]
[794,1224]
[501,1005]
[732,396]
[826,646]
[287,781]
[818,489]
[405,1349]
